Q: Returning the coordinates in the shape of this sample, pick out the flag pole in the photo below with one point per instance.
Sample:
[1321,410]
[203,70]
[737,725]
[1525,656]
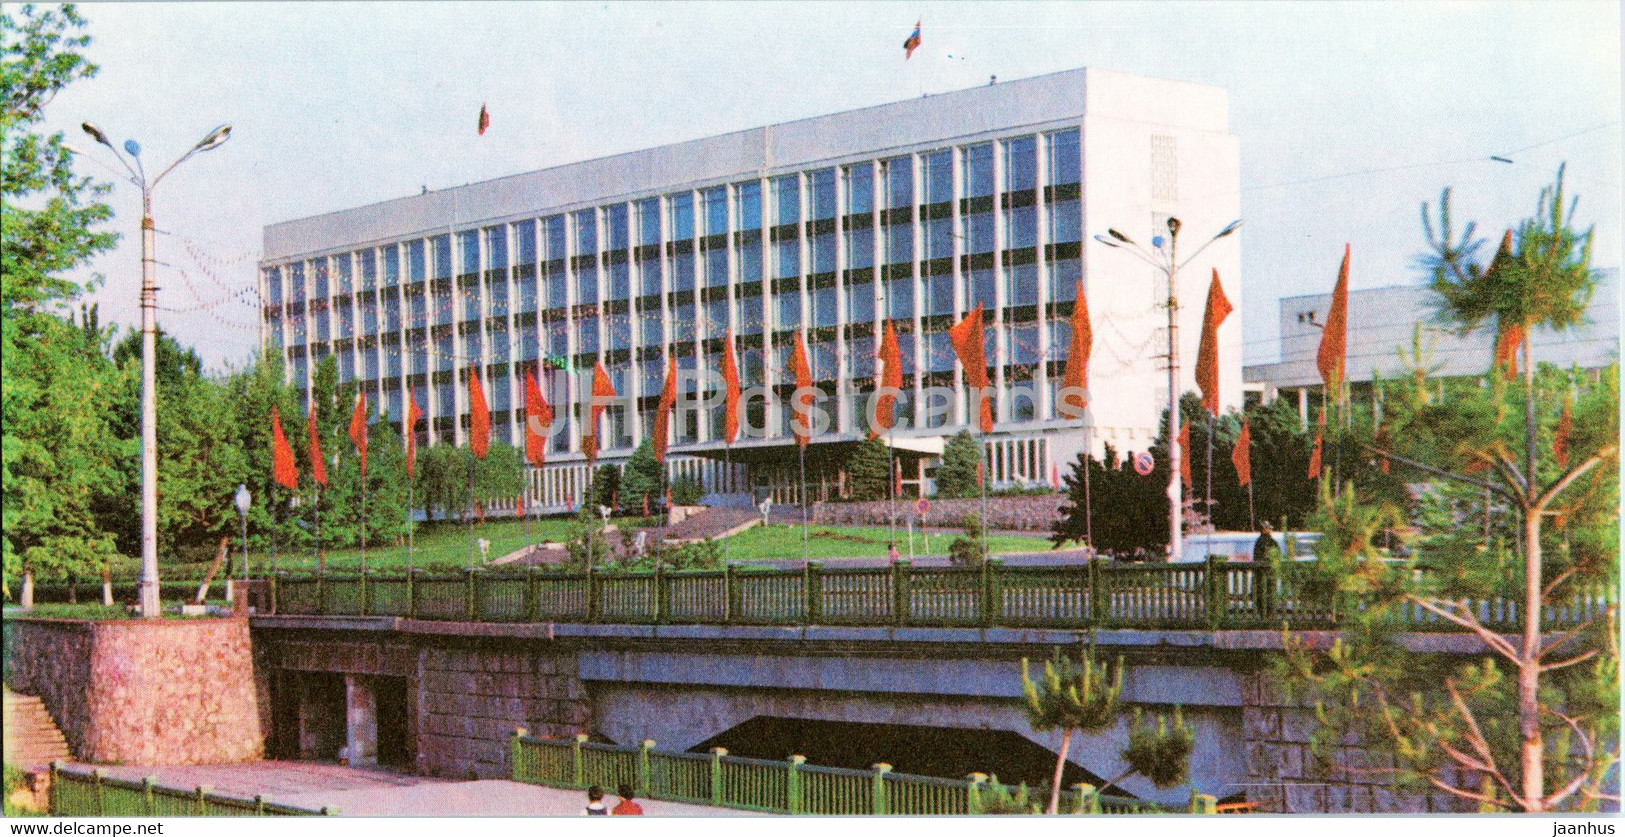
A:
[1252,523]
[316,507]
[891,480]
[409,524]
[363,521]
[1210,526]
[806,549]
[1088,510]
[468,509]
[727,478]
[274,522]
[982,478]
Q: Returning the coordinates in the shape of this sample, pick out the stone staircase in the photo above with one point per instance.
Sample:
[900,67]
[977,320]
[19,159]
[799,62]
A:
[712,523]
[32,738]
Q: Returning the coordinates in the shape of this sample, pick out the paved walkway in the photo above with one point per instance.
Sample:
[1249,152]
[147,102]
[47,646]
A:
[378,793]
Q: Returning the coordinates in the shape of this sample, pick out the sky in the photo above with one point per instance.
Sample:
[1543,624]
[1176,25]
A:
[1350,115]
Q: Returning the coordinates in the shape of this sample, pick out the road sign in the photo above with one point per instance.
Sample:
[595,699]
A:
[1143,463]
[924,506]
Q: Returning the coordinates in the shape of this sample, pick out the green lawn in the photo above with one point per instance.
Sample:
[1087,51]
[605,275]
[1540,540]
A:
[445,546]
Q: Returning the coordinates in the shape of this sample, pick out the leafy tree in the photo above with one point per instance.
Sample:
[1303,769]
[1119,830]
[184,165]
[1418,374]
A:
[868,470]
[500,476]
[956,477]
[1115,488]
[642,484]
[587,546]
[969,549]
[606,487]
[1532,725]
[252,392]
[442,482]
[686,491]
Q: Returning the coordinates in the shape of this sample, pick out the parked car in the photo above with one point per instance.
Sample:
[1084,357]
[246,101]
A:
[1238,546]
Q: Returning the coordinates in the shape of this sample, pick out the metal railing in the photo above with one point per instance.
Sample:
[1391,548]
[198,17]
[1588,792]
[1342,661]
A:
[779,787]
[76,793]
[1213,595]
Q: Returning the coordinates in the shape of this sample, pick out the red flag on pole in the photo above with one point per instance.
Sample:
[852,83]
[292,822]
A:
[318,468]
[1565,426]
[1334,339]
[1207,355]
[1242,455]
[413,416]
[1185,453]
[519,505]
[966,337]
[891,383]
[358,428]
[538,418]
[602,392]
[801,401]
[479,417]
[1314,458]
[283,470]
[1075,381]
[730,391]
[668,401]
[485,119]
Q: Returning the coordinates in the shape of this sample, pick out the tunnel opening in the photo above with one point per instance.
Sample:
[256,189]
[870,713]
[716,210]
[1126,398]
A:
[924,751]
[395,746]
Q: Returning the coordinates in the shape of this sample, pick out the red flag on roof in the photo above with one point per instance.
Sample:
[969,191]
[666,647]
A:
[479,417]
[801,401]
[358,428]
[668,401]
[1334,339]
[891,383]
[413,416]
[1207,356]
[913,42]
[1075,380]
[966,337]
[283,470]
[1242,455]
[538,418]
[485,119]
[730,391]
[318,468]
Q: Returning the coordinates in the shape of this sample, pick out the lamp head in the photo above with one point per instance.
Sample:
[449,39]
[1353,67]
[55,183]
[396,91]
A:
[1173,227]
[242,499]
[1106,241]
[215,138]
[1119,236]
[1232,227]
[132,148]
[95,133]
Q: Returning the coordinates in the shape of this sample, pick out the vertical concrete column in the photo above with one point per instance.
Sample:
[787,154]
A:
[360,721]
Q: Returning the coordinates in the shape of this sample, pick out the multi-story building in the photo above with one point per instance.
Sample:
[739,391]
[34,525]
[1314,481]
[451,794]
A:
[912,212]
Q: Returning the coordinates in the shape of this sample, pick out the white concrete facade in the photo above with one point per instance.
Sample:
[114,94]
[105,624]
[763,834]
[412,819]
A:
[911,211]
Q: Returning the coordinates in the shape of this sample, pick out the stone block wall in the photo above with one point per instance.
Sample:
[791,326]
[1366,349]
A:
[1285,776]
[1033,513]
[139,691]
[472,698]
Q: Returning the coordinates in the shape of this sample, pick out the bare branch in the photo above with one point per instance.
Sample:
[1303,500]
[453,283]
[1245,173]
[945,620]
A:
[1451,475]
[1465,794]
[1567,479]
[1479,742]
[1570,661]
[1546,592]
[1489,637]
[1571,633]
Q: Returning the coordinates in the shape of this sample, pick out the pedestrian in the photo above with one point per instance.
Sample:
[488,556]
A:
[626,808]
[891,552]
[1264,545]
[595,802]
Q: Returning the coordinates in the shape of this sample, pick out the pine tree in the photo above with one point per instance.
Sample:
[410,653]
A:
[956,477]
[868,471]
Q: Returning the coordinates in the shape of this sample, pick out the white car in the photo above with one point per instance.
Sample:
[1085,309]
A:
[1238,546]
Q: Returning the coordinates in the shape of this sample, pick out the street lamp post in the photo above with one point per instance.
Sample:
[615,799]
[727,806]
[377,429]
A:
[242,500]
[1166,260]
[148,586]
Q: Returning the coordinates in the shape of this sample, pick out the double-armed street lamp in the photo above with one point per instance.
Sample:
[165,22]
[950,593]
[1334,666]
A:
[1164,256]
[148,586]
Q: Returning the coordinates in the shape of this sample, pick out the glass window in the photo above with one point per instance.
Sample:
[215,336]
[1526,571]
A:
[979,171]
[1066,222]
[471,302]
[939,238]
[979,288]
[1021,227]
[587,335]
[417,307]
[900,299]
[748,196]
[823,301]
[649,276]
[273,285]
[716,317]
[1020,164]
[682,272]
[716,267]
[1064,276]
[939,177]
[296,282]
[750,314]
[619,327]
[716,210]
[1024,343]
[525,233]
[553,237]
[823,360]
[496,248]
[649,221]
[1023,289]
[415,260]
[586,222]
[346,320]
[682,216]
[787,198]
[899,173]
[615,219]
[823,194]
[442,256]
[861,355]
[392,267]
[860,248]
[471,345]
[392,312]
[526,342]
[939,352]
[787,310]
[341,269]
[899,243]
[587,284]
[318,269]
[787,258]
[939,295]
[556,289]
[527,291]
[1064,161]
[682,324]
[468,247]
[823,253]
[860,189]
[978,236]
[652,334]
[860,302]
[620,280]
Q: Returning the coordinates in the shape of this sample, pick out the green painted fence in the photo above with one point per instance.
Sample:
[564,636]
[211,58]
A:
[77,793]
[1212,595]
[777,787]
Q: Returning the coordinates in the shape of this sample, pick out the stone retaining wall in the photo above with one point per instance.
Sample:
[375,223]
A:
[474,698]
[142,691]
[1032,513]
